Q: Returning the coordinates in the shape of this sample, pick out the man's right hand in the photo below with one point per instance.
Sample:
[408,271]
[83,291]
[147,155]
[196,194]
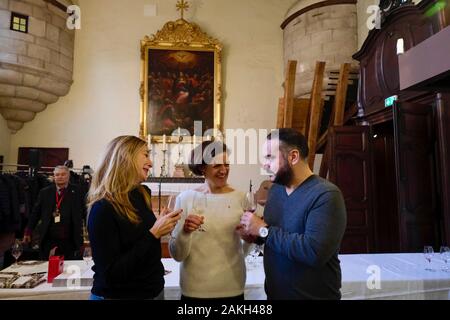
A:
[240,229]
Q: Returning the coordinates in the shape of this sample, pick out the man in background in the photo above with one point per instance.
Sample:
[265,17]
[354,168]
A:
[58,215]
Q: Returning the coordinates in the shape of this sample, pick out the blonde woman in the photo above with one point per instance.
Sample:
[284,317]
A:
[123,231]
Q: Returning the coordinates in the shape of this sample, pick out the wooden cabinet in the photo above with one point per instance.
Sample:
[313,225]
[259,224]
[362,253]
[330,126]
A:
[393,166]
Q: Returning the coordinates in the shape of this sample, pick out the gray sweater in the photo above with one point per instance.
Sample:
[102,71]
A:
[301,251]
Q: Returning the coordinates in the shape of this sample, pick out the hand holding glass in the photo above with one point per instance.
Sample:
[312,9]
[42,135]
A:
[249,202]
[199,206]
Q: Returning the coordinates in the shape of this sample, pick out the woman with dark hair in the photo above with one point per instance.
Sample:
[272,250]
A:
[212,262]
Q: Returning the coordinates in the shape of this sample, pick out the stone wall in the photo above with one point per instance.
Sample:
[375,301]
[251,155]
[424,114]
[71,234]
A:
[323,34]
[35,68]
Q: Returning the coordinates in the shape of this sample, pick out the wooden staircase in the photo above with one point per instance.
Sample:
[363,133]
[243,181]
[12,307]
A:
[332,102]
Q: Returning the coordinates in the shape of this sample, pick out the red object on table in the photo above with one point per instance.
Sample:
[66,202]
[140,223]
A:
[55,267]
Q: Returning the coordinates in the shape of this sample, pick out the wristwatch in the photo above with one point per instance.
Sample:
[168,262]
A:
[264,232]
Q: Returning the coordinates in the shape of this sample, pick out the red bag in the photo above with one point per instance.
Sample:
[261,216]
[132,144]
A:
[55,267]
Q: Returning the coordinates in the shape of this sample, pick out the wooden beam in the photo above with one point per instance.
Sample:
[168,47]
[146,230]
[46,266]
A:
[57,5]
[280,114]
[316,110]
[341,95]
[301,115]
[338,116]
[289,88]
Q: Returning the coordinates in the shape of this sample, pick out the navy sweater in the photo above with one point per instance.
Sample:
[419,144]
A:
[301,251]
[127,256]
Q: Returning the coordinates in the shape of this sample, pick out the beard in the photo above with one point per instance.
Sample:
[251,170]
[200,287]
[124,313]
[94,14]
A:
[284,174]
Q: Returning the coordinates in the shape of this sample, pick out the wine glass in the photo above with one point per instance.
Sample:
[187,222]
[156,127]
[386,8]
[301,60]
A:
[445,255]
[249,203]
[87,255]
[428,253]
[171,207]
[16,250]
[199,206]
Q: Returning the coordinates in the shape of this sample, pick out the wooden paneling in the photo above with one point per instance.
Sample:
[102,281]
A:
[443,119]
[409,143]
[415,141]
[385,190]
[350,171]
[379,75]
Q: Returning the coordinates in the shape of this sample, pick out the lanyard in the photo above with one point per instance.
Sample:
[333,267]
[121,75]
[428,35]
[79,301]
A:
[59,199]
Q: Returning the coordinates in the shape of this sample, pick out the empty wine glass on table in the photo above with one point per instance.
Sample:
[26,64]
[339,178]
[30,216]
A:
[87,255]
[445,255]
[428,253]
[199,205]
[16,251]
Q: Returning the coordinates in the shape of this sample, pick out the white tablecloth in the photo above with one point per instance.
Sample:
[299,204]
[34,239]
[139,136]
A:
[364,276]
[401,276]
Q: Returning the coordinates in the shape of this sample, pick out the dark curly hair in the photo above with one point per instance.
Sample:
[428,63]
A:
[203,153]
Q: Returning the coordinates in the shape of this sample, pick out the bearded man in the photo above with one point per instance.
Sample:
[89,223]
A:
[303,225]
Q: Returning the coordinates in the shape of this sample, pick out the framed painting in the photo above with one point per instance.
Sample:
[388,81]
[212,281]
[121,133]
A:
[180,81]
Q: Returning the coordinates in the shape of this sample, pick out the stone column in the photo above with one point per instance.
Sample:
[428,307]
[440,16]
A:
[36,68]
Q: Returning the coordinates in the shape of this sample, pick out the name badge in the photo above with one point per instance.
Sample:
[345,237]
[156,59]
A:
[57,218]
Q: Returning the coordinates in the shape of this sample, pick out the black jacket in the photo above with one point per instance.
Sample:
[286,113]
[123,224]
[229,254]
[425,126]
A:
[10,217]
[73,205]
[127,256]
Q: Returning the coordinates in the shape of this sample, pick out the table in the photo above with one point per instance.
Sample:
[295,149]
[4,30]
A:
[401,276]
[364,276]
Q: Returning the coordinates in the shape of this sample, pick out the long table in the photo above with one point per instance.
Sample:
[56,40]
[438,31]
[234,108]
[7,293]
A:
[364,276]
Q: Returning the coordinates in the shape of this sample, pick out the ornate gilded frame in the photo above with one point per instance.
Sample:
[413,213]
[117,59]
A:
[179,35]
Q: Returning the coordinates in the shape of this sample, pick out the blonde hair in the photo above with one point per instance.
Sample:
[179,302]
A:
[117,175]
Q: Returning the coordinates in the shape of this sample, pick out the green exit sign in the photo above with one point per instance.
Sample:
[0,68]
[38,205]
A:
[388,102]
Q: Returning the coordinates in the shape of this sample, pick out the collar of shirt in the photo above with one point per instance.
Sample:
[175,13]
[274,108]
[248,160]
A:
[61,189]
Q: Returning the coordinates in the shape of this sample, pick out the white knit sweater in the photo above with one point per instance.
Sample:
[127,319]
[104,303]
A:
[213,263]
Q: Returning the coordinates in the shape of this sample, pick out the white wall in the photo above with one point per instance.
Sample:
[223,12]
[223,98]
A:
[5,139]
[104,101]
